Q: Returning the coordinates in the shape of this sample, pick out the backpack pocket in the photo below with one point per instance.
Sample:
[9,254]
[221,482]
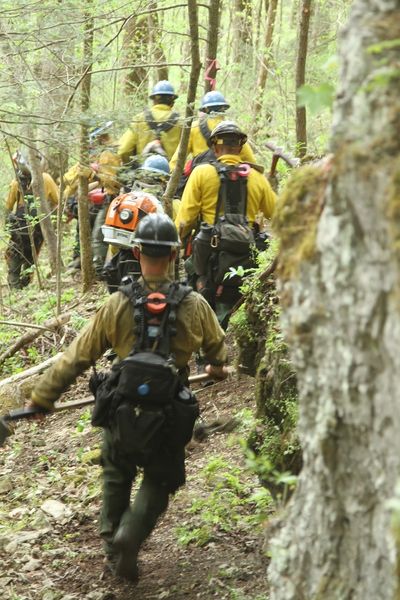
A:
[137,431]
[201,249]
[183,415]
[147,377]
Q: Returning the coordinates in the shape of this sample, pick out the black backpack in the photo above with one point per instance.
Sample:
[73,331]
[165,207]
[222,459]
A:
[143,400]
[158,127]
[229,242]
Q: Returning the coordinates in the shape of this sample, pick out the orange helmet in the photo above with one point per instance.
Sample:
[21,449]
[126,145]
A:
[123,215]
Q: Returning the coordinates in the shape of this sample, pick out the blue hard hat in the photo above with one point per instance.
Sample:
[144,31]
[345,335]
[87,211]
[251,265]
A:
[156,164]
[99,130]
[163,88]
[213,99]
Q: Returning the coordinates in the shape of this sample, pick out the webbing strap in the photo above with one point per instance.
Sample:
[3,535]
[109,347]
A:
[204,128]
[159,127]
[166,326]
[232,194]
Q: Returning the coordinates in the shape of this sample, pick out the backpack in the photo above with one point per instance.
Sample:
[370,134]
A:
[159,127]
[229,242]
[205,157]
[142,400]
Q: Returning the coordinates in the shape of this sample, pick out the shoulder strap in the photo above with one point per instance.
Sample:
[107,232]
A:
[166,325]
[232,194]
[158,127]
[204,128]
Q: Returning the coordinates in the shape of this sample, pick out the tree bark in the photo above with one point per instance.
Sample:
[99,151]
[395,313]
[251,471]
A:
[242,30]
[302,47]
[83,189]
[190,105]
[340,288]
[45,212]
[154,45]
[136,33]
[212,45]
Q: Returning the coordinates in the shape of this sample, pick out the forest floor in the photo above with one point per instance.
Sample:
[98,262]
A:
[208,544]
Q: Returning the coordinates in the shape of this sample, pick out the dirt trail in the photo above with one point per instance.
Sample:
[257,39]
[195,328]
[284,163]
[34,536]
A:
[50,500]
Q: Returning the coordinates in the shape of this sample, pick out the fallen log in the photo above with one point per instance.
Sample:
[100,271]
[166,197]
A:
[27,338]
[18,377]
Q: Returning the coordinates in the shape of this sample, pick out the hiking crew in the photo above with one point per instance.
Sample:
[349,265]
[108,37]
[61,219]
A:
[154,326]
[21,212]
[154,129]
[225,196]
[212,112]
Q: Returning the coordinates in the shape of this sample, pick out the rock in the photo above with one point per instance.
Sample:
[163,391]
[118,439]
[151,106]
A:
[11,547]
[6,485]
[55,509]
[20,511]
[32,565]
[29,536]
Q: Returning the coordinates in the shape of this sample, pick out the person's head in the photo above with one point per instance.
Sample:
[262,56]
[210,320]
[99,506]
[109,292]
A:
[157,242]
[22,169]
[227,138]
[163,93]
[101,135]
[213,102]
[157,166]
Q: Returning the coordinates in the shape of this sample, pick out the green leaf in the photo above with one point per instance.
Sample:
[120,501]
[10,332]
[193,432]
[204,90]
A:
[315,98]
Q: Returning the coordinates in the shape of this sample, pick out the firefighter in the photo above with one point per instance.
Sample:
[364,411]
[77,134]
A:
[21,216]
[102,175]
[212,111]
[212,191]
[124,527]
[156,128]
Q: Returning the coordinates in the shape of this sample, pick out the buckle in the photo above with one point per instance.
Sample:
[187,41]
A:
[214,241]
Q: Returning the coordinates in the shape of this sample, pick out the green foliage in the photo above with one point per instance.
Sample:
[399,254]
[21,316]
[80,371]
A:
[229,504]
[316,98]
[383,46]
[83,421]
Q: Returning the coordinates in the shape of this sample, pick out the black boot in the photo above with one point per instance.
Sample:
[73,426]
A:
[136,525]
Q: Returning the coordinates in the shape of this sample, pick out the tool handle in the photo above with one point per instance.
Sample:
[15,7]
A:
[24,413]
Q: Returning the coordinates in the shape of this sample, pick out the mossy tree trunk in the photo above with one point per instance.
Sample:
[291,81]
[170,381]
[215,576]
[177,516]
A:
[341,315]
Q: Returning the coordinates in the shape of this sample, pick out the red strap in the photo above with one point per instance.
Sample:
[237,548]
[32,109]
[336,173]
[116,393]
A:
[212,64]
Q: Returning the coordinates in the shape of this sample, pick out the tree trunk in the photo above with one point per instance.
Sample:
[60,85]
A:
[212,46]
[154,44]
[136,34]
[242,30]
[83,189]
[302,47]
[45,211]
[190,105]
[340,285]
[266,54]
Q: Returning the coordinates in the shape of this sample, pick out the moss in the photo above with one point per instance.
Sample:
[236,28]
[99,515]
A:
[393,208]
[296,218]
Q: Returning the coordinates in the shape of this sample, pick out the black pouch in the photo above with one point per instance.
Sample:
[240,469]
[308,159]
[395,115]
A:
[148,377]
[138,431]
[103,387]
[182,416]
[201,248]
